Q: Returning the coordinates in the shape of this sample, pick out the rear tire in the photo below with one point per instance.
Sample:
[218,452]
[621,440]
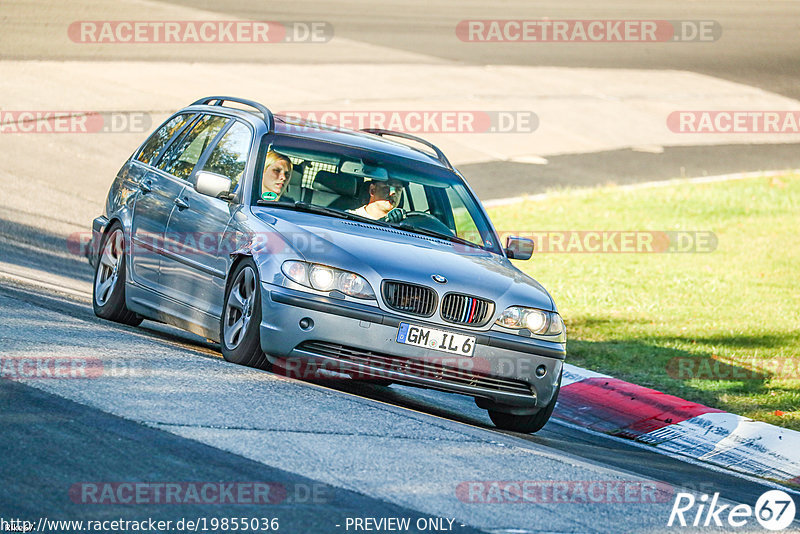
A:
[108,290]
[239,329]
[526,424]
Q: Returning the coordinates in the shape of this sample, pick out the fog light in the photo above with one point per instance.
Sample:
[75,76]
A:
[306,323]
[541,371]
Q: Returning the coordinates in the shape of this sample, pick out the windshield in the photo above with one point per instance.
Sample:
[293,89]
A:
[364,186]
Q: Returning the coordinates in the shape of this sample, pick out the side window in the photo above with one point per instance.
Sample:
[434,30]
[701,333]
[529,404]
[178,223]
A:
[419,201]
[230,155]
[183,155]
[465,225]
[155,145]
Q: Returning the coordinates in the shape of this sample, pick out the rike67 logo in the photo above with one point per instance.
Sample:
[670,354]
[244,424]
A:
[774,510]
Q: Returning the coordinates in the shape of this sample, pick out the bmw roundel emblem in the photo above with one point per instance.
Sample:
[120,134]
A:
[439,279]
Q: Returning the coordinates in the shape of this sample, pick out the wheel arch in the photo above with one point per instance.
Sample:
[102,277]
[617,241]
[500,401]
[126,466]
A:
[238,257]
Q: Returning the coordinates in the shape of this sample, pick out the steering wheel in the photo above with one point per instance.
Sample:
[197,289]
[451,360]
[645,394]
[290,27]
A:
[420,219]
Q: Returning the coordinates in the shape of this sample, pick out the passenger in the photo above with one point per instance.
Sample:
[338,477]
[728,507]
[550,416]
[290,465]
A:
[383,200]
[276,176]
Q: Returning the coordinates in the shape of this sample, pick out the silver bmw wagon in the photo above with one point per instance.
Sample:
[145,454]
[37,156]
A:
[309,249]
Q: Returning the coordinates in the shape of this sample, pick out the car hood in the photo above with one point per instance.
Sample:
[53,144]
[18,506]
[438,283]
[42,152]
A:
[380,253]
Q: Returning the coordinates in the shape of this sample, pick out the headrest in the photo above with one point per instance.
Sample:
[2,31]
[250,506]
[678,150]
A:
[341,184]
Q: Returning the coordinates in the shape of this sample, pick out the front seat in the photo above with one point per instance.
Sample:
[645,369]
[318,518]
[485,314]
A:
[335,190]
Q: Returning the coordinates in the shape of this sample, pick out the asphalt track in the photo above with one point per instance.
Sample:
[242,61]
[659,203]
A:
[759,44]
[174,411]
[179,413]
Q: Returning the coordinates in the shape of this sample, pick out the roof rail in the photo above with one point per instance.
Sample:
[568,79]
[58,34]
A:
[439,154]
[268,118]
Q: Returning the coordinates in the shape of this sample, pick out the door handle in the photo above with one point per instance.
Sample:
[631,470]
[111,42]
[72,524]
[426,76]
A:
[181,203]
[145,186]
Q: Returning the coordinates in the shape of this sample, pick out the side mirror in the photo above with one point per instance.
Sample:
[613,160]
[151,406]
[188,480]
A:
[519,248]
[212,184]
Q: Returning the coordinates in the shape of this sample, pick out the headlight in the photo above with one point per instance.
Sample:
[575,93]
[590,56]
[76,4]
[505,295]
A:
[539,322]
[296,270]
[324,278]
[352,284]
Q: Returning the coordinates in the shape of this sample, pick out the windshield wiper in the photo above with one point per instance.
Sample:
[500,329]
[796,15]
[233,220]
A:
[438,235]
[322,210]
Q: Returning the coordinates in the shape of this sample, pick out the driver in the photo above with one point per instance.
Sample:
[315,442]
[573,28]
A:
[383,200]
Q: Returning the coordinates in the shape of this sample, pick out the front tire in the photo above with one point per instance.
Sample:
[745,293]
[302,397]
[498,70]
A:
[526,424]
[240,338]
[108,290]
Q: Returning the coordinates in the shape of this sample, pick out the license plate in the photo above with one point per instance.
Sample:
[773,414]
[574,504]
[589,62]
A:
[432,338]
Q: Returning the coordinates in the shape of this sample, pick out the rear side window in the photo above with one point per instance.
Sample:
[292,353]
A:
[230,155]
[182,156]
[155,145]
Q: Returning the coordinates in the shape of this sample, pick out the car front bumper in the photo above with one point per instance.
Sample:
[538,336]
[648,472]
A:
[349,337]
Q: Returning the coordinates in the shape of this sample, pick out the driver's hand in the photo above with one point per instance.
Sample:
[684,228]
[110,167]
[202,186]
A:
[395,216]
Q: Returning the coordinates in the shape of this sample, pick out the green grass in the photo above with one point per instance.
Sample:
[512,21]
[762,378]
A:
[630,315]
